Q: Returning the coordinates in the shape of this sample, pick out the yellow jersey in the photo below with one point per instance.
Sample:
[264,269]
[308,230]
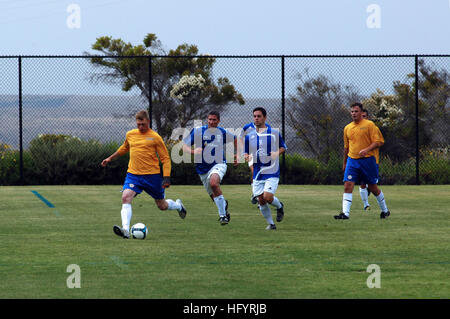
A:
[144,152]
[358,136]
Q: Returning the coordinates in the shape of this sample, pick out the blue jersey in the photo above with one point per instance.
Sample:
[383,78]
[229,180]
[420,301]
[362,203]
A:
[249,127]
[260,145]
[212,141]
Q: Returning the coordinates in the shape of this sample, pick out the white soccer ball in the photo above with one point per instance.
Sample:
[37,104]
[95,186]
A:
[139,231]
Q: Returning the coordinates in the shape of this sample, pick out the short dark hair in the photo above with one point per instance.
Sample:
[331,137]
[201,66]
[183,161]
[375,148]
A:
[357,104]
[214,112]
[365,111]
[142,115]
[261,109]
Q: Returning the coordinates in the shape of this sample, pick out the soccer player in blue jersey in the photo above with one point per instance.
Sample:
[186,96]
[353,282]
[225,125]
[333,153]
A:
[207,143]
[265,145]
[249,127]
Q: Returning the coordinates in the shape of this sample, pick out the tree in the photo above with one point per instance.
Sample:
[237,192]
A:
[318,113]
[396,114]
[168,69]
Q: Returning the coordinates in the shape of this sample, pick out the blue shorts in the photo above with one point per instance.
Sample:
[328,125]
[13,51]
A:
[151,184]
[361,170]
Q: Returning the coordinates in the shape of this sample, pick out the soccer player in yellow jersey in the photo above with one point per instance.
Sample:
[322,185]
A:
[144,174]
[363,191]
[361,138]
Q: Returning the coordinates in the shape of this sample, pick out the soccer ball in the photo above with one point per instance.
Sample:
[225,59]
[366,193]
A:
[139,231]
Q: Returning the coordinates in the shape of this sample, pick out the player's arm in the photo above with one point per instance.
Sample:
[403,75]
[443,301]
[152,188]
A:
[124,148]
[371,147]
[188,142]
[344,163]
[164,157]
[376,137]
[281,149]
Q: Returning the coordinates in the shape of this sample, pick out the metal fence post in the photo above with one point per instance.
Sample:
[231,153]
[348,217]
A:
[20,122]
[416,75]
[150,86]
[283,116]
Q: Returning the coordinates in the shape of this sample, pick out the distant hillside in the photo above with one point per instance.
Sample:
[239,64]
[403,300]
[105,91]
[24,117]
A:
[105,118]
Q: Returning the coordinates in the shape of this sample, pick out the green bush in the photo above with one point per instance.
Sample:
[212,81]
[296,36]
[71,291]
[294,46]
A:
[68,160]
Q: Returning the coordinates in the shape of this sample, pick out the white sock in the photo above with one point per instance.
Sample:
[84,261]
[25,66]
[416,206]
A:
[126,214]
[265,210]
[364,196]
[220,203]
[382,202]
[276,202]
[347,203]
[172,205]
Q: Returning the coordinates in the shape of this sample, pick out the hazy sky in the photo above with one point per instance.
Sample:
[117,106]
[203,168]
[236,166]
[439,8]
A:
[230,27]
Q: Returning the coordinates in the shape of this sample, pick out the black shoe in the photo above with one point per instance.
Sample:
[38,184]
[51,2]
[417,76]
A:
[368,193]
[367,207]
[182,212]
[271,227]
[280,213]
[224,220]
[385,215]
[341,216]
[121,232]
[254,200]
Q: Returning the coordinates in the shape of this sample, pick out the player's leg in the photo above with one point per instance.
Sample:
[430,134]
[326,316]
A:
[130,190]
[364,196]
[350,177]
[258,190]
[269,196]
[371,170]
[153,187]
[214,178]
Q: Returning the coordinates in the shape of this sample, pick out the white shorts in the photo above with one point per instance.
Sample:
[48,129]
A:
[219,169]
[269,185]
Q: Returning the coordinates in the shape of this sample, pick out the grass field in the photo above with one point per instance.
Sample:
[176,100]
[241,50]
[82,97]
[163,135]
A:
[310,255]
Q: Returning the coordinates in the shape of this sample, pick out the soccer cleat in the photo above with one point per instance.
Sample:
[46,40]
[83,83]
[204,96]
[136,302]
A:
[367,207]
[368,192]
[385,215]
[280,213]
[341,216]
[254,200]
[271,227]
[224,220]
[182,212]
[121,232]
[226,211]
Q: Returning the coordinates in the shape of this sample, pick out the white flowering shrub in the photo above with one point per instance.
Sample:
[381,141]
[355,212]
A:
[187,86]
[384,109]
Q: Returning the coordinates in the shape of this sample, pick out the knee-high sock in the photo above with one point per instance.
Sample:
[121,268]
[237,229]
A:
[265,210]
[346,203]
[126,214]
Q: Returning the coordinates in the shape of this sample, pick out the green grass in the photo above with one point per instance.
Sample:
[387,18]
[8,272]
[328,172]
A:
[310,255]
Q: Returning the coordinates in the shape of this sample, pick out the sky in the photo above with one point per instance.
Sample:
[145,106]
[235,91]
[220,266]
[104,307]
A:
[231,27]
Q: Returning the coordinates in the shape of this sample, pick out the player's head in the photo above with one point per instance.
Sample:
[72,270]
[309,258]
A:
[365,114]
[259,116]
[143,121]
[356,111]
[213,119]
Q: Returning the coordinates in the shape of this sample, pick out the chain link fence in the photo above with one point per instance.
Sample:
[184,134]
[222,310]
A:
[62,115]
